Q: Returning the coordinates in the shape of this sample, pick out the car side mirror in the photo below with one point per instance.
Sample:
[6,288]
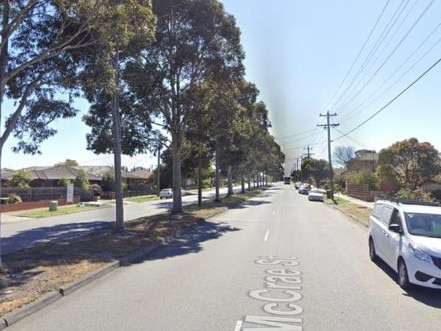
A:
[396,228]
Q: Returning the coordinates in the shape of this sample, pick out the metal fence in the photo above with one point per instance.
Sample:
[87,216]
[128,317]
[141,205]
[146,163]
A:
[54,193]
[45,193]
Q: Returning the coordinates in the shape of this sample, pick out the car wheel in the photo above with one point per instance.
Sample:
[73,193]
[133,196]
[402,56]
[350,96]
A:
[403,277]
[372,254]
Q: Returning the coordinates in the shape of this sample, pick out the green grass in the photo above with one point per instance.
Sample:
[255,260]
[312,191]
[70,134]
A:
[62,210]
[358,212]
[226,202]
[142,198]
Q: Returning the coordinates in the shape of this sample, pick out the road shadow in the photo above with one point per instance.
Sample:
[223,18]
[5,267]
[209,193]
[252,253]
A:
[189,241]
[429,296]
[57,233]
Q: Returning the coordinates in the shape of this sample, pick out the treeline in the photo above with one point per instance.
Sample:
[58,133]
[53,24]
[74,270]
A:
[164,75]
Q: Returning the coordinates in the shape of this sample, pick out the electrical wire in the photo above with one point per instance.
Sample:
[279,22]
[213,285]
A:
[394,99]
[358,56]
[393,74]
[397,46]
[380,40]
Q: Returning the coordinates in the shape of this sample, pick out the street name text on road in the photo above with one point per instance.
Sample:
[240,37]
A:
[282,286]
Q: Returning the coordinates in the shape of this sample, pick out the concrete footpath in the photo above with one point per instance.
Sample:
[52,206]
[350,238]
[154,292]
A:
[13,216]
[354,200]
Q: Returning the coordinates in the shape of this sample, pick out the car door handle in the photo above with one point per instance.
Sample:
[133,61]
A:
[386,234]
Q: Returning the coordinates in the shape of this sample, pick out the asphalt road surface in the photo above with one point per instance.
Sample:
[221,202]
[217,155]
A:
[279,262]
[18,232]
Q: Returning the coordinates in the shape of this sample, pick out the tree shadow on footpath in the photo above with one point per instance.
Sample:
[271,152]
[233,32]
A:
[189,241]
[429,296]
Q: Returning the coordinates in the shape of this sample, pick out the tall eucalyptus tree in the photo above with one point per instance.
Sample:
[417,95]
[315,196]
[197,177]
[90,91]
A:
[42,52]
[195,39]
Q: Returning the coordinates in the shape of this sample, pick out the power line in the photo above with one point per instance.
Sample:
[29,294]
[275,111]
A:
[395,98]
[397,46]
[359,54]
[371,96]
[297,134]
[380,40]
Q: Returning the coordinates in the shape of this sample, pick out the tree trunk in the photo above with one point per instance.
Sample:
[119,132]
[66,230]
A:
[176,154]
[216,177]
[230,181]
[242,180]
[119,216]
[199,180]
[1,261]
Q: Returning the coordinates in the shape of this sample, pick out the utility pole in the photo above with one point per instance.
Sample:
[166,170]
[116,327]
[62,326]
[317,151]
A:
[308,154]
[331,172]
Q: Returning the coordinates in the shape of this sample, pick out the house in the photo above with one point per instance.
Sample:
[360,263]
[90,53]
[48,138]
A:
[51,176]
[364,160]
[138,179]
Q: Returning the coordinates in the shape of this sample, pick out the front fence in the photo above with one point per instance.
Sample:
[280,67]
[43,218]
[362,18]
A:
[45,193]
[55,193]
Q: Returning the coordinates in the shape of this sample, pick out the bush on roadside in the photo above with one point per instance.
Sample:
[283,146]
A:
[97,190]
[14,198]
[414,195]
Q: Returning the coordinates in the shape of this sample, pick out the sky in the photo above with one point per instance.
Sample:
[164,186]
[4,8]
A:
[372,65]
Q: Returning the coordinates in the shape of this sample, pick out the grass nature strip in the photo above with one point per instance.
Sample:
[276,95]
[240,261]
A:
[61,210]
[355,211]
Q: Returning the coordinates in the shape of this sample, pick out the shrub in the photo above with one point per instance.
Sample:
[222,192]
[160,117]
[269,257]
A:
[63,182]
[97,190]
[21,178]
[82,180]
[414,195]
[14,198]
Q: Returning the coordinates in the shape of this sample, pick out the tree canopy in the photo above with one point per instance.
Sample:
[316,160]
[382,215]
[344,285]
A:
[343,155]
[409,163]
[194,40]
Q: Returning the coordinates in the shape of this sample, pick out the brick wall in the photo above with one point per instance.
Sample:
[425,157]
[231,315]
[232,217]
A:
[33,204]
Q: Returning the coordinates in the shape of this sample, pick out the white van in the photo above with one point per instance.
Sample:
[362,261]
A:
[407,236]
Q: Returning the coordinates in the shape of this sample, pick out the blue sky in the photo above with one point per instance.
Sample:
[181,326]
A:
[308,57]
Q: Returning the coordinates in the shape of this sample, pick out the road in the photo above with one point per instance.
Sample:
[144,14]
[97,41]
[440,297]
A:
[276,260]
[18,233]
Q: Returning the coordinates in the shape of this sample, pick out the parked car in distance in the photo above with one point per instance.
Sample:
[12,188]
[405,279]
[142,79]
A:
[406,235]
[316,194]
[297,185]
[304,188]
[166,193]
